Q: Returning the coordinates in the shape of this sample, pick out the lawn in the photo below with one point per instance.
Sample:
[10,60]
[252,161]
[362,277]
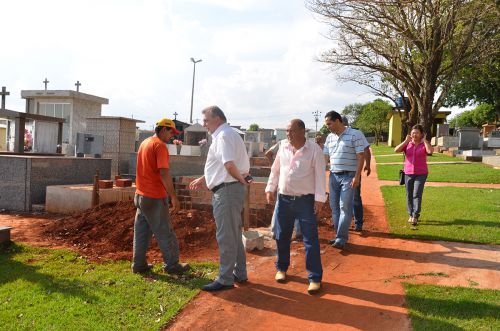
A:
[436,157]
[452,308]
[448,213]
[459,173]
[381,149]
[43,289]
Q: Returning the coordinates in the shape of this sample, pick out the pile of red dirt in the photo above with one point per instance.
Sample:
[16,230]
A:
[107,231]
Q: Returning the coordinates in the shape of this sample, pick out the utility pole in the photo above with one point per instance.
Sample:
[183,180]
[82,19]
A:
[192,89]
[316,115]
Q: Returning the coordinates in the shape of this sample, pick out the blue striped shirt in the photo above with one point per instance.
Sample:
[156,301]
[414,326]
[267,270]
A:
[343,149]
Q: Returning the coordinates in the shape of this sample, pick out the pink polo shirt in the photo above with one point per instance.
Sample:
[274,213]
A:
[416,159]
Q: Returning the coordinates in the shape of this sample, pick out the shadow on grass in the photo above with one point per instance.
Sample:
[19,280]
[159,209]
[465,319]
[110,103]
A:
[459,222]
[13,270]
[429,313]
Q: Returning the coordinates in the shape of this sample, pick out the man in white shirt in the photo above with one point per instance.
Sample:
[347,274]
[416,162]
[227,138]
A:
[298,175]
[225,170]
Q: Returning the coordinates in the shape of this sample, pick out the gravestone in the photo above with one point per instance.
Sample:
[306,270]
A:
[443,130]
[447,141]
[194,133]
[468,138]
[90,144]
[493,140]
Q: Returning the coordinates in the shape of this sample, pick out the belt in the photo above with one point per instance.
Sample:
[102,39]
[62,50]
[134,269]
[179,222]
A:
[217,187]
[294,197]
[341,172]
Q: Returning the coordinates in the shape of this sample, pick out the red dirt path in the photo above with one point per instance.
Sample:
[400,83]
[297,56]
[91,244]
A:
[361,286]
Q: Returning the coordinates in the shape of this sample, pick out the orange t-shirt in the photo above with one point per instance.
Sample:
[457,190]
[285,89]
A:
[151,157]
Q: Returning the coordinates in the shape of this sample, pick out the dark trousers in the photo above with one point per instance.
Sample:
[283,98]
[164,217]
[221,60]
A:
[289,209]
[414,185]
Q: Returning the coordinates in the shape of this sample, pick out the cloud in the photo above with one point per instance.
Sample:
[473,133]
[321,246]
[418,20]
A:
[258,57]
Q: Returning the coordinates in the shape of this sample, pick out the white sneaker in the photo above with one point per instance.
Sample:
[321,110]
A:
[280,276]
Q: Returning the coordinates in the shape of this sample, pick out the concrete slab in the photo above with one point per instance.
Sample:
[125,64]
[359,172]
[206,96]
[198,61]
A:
[67,199]
[492,160]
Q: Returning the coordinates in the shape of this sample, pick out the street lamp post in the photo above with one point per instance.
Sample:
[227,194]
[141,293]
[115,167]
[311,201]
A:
[192,89]
[316,115]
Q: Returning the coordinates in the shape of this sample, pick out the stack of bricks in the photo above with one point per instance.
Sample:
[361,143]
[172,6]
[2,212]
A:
[260,211]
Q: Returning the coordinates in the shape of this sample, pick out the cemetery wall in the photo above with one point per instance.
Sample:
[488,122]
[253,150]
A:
[24,179]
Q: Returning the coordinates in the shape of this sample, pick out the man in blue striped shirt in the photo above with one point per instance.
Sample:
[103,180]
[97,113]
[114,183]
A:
[345,148]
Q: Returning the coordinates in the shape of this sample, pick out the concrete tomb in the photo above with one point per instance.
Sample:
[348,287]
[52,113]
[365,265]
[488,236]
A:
[468,138]
[119,139]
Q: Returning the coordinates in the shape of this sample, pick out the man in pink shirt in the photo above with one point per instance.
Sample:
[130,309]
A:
[298,174]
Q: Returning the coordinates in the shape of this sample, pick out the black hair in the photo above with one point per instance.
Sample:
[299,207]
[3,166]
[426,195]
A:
[158,129]
[332,115]
[419,128]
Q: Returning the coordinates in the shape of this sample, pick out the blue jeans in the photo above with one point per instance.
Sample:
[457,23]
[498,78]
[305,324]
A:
[289,209]
[341,202]
[414,185]
[358,206]
[298,232]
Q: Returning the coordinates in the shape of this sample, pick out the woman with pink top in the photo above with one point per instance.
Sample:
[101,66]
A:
[416,149]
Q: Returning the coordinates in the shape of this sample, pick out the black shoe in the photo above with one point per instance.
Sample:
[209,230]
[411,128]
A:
[338,245]
[142,270]
[358,228]
[178,268]
[216,286]
[238,280]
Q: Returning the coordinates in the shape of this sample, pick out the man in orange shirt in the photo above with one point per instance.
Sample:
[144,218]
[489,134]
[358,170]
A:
[153,182]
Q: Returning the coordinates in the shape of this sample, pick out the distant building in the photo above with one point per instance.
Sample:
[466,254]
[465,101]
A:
[75,107]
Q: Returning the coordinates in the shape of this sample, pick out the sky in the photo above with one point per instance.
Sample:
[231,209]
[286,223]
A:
[259,58]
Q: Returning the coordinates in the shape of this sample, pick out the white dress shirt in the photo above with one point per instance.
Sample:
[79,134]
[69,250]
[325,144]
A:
[227,145]
[300,173]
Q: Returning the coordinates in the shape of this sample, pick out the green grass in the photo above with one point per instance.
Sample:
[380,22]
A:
[448,213]
[436,157]
[452,308]
[381,149]
[43,289]
[459,173]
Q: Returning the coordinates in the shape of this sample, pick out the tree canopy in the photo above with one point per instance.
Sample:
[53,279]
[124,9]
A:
[409,48]
[253,127]
[476,117]
[373,118]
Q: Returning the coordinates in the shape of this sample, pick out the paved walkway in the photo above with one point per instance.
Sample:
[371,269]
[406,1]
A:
[361,285]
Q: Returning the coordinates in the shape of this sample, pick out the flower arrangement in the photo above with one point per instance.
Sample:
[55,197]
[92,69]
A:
[177,142]
[202,142]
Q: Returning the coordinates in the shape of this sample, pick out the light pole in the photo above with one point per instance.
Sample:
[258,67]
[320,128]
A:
[192,89]
[316,118]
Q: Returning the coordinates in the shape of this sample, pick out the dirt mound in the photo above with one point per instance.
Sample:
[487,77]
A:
[107,231]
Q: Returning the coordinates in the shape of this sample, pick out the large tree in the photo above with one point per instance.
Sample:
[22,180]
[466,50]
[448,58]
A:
[476,85]
[408,47]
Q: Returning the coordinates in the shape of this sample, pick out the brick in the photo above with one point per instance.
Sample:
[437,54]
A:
[104,184]
[124,182]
